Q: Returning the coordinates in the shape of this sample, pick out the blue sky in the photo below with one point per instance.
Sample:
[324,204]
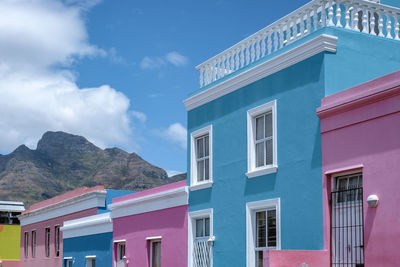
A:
[114,71]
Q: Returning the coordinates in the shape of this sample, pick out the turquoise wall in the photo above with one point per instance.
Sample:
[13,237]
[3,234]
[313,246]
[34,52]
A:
[297,183]
[80,247]
[395,3]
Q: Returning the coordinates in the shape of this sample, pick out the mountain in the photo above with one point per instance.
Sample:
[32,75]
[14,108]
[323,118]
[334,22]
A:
[63,162]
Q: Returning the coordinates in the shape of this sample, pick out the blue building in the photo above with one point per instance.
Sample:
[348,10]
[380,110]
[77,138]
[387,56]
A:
[254,157]
[88,241]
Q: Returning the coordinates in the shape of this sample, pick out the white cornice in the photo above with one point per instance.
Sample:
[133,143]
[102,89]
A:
[163,200]
[90,200]
[306,50]
[91,225]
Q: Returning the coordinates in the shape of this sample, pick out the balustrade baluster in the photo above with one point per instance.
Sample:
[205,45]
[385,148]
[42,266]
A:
[330,14]
[295,31]
[339,14]
[301,25]
[253,52]
[396,27]
[247,53]
[355,18]
[263,45]
[347,20]
[315,18]
[323,14]
[281,39]
[275,39]
[269,42]
[365,20]
[372,21]
[258,49]
[388,25]
[288,32]
[242,56]
[237,60]
[380,25]
[308,22]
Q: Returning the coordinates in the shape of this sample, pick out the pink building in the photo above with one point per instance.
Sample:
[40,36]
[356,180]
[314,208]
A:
[150,227]
[361,173]
[41,238]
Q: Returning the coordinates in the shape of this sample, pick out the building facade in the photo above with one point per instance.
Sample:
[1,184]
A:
[150,227]
[10,233]
[254,157]
[360,163]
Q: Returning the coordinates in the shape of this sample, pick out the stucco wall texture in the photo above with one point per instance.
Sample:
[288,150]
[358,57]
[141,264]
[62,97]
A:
[360,129]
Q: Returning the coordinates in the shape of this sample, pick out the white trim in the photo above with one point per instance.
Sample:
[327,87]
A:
[90,200]
[194,185]
[67,258]
[252,170]
[90,257]
[250,208]
[90,225]
[158,201]
[154,237]
[191,234]
[293,56]
[119,241]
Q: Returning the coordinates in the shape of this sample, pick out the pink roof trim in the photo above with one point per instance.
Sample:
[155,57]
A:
[63,197]
[151,191]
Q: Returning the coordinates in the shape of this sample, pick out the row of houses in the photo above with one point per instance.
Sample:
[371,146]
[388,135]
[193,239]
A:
[293,159]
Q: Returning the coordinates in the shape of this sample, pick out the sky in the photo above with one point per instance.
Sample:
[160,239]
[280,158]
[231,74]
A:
[115,71]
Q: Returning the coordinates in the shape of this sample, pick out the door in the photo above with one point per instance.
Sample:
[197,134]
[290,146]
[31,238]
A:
[156,254]
[347,223]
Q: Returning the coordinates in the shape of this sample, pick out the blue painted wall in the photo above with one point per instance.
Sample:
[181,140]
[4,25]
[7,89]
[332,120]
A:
[395,3]
[80,247]
[298,181]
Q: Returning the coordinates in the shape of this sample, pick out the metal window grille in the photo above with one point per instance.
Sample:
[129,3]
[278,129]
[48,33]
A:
[202,253]
[347,227]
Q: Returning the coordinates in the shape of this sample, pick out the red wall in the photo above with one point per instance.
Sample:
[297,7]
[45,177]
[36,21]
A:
[41,260]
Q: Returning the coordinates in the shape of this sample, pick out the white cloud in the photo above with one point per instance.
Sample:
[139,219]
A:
[139,115]
[35,95]
[175,133]
[173,58]
[176,58]
[171,173]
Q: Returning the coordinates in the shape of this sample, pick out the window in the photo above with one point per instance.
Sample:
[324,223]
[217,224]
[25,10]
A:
[121,251]
[90,261]
[155,253]
[346,185]
[68,262]
[262,229]
[33,244]
[47,242]
[26,243]
[57,241]
[201,238]
[201,158]
[261,140]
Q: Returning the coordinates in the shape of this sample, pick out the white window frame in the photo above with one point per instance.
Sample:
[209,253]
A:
[68,259]
[194,185]
[90,258]
[252,170]
[193,216]
[151,241]
[251,209]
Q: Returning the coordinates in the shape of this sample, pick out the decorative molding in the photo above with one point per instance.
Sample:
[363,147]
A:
[322,43]
[154,237]
[90,200]
[345,169]
[12,206]
[162,200]
[90,225]
[261,172]
[200,186]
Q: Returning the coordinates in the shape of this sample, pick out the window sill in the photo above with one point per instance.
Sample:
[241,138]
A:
[201,186]
[261,172]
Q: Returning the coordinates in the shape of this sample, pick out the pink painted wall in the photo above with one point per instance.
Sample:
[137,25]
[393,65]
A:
[41,260]
[361,129]
[151,191]
[11,264]
[170,223]
[295,258]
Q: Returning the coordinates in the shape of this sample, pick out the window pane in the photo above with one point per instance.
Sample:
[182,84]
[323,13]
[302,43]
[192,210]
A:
[156,254]
[342,184]
[271,228]
[268,148]
[200,151]
[200,170]
[268,125]
[207,226]
[199,228]
[260,229]
[260,154]
[259,258]
[260,128]
[207,170]
[206,146]
[353,182]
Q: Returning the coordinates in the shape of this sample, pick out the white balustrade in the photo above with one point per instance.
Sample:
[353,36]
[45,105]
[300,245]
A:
[357,15]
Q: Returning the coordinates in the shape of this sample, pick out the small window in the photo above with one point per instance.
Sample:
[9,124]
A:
[201,158]
[57,241]
[155,254]
[261,140]
[91,261]
[47,242]
[120,251]
[26,243]
[202,227]
[68,262]
[200,238]
[33,244]
[348,188]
